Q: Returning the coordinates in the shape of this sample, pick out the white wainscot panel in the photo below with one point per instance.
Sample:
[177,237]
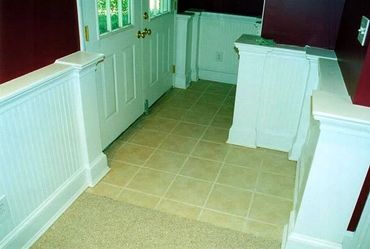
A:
[49,152]
[218,59]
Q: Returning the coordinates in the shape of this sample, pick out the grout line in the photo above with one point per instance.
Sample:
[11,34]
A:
[218,173]
[165,103]
[183,165]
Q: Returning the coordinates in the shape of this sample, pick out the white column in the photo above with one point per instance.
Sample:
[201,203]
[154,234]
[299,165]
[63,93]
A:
[85,65]
[194,45]
[331,179]
[183,51]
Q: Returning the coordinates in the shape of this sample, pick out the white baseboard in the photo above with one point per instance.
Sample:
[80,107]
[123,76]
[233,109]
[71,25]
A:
[301,241]
[194,75]
[293,240]
[230,78]
[31,229]
[274,141]
[97,170]
[242,137]
[182,80]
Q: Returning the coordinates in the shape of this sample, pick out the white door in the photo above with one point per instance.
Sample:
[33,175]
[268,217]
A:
[112,27]
[136,68]
[158,48]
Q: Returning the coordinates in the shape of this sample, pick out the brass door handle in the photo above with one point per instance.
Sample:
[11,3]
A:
[147,31]
[141,34]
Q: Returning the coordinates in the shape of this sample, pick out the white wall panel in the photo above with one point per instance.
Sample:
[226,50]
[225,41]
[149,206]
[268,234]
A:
[50,148]
[218,59]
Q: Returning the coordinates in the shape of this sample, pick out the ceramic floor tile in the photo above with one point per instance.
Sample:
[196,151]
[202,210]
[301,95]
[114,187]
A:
[198,117]
[181,103]
[222,121]
[166,161]
[151,182]
[212,151]
[233,91]
[127,134]
[238,177]
[226,110]
[139,199]
[104,189]
[189,95]
[270,209]
[222,89]
[178,144]
[230,101]
[132,153]
[205,108]
[218,135]
[159,124]
[230,200]
[279,165]
[282,186]
[198,86]
[120,173]
[189,191]
[189,130]
[179,209]
[245,157]
[212,98]
[264,230]
[201,169]
[170,112]
[113,148]
[148,138]
[222,220]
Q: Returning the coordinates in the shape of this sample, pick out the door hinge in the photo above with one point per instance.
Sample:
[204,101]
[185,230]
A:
[87,33]
[173,69]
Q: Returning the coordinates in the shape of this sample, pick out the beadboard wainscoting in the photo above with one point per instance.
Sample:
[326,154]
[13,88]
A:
[275,84]
[218,60]
[50,146]
[332,168]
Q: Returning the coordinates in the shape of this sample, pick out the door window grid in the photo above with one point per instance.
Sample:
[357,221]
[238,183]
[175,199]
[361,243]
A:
[113,14]
[159,7]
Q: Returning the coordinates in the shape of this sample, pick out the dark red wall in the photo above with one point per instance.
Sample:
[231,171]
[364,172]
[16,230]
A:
[351,54]
[33,33]
[238,7]
[303,22]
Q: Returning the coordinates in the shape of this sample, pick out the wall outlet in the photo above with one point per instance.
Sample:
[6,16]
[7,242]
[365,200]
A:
[362,32]
[219,56]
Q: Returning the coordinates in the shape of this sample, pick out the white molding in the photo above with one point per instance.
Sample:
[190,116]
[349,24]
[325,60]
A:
[31,229]
[306,242]
[97,169]
[30,82]
[229,17]
[229,78]
[80,24]
[242,137]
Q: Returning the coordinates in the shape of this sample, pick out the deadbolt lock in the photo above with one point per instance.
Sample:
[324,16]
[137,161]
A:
[146,15]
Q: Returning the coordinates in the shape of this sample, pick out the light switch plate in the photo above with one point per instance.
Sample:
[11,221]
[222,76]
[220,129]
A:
[362,32]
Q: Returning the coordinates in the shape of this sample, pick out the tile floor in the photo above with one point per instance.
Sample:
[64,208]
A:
[176,160]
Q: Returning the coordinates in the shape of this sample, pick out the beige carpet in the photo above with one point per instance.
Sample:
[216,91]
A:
[98,222]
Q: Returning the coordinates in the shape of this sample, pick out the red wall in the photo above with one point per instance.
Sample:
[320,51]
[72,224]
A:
[303,22]
[351,54]
[238,7]
[33,33]
[362,96]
